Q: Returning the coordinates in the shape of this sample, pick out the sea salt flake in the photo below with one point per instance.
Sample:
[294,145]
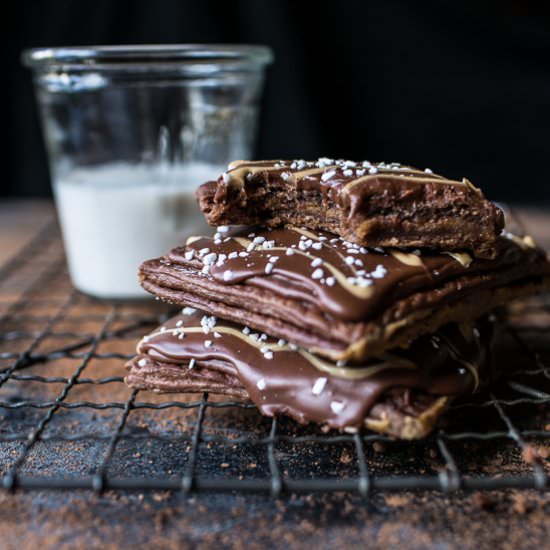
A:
[316,262]
[222,229]
[268,355]
[188,310]
[246,330]
[317,246]
[281,342]
[331,281]
[233,255]
[189,254]
[349,260]
[142,362]
[327,175]
[273,259]
[317,274]
[179,323]
[337,406]
[217,335]
[373,170]
[192,363]
[203,251]
[227,274]
[268,268]
[379,272]
[209,259]
[319,386]
[289,251]
[226,177]
[207,343]
[323,162]
[348,173]
[260,384]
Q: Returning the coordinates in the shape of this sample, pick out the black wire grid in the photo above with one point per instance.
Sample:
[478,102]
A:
[67,421]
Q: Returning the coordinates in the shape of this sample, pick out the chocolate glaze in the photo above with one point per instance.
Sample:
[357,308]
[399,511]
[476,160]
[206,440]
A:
[318,270]
[345,178]
[282,379]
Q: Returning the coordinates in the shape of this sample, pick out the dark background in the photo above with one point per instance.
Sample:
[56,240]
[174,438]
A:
[460,87]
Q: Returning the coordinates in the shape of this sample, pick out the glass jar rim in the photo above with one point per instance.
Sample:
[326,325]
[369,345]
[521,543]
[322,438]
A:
[151,56]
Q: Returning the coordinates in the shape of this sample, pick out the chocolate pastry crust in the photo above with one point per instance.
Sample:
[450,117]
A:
[402,393]
[337,299]
[372,204]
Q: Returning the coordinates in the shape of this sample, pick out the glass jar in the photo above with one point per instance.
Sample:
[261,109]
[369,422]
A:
[131,131]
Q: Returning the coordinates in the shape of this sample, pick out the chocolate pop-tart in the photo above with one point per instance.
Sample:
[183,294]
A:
[401,393]
[371,204]
[335,298]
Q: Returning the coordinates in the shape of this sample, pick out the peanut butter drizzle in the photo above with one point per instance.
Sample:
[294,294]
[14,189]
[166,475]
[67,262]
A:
[360,292]
[385,175]
[462,258]
[524,242]
[238,171]
[406,258]
[354,373]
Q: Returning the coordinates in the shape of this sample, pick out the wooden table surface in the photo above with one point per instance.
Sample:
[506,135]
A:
[78,519]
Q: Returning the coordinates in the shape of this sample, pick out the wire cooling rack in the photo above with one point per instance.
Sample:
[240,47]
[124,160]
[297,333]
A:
[67,421]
